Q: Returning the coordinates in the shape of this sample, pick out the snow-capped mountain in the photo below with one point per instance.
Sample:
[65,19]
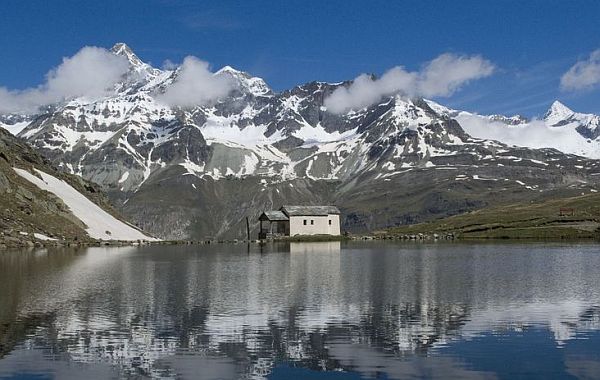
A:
[586,124]
[198,171]
[560,128]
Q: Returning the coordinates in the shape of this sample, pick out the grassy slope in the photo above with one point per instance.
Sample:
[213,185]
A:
[519,221]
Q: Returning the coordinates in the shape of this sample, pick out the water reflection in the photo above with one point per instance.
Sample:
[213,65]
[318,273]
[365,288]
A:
[300,309]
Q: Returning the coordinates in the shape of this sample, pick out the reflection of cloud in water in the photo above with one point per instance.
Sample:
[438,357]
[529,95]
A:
[372,342]
[563,319]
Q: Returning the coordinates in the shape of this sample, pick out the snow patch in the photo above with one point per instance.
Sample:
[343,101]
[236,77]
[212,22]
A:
[16,127]
[124,177]
[224,130]
[43,237]
[100,224]
[317,134]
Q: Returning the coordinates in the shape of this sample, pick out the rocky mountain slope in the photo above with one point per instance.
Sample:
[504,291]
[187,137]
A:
[30,215]
[197,172]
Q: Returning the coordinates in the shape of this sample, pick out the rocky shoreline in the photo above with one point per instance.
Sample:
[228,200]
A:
[14,239]
[418,236]
[21,240]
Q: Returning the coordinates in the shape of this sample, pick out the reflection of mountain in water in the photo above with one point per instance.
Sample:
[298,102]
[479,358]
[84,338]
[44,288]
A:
[163,311]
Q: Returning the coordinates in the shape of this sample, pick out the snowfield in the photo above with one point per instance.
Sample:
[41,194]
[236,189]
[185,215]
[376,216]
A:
[533,134]
[15,128]
[100,224]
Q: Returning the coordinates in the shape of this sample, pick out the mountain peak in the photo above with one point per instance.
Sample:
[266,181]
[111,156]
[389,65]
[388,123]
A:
[229,69]
[557,113]
[557,106]
[440,109]
[256,86]
[122,49]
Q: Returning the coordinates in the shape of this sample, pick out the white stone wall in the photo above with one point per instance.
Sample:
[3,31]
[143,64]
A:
[315,225]
[334,227]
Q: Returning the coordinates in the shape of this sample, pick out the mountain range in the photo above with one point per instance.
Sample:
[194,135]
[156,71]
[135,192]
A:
[197,172]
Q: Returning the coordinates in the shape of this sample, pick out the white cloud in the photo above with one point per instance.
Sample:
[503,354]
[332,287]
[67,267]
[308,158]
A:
[582,75]
[365,91]
[448,72]
[169,65]
[91,73]
[440,77]
[196,85]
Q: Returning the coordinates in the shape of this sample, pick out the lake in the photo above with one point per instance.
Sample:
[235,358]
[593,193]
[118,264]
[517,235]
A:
[356,310]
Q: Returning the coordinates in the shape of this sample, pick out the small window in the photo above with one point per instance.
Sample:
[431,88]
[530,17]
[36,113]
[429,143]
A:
[330,222]
[305,222]
[312,222]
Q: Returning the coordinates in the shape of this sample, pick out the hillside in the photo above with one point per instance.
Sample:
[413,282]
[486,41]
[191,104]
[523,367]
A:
[563,218]
[69,210]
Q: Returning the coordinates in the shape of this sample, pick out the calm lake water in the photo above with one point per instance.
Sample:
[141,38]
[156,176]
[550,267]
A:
[303,310]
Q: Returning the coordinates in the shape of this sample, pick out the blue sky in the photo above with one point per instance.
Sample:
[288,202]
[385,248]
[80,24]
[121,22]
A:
[531,43]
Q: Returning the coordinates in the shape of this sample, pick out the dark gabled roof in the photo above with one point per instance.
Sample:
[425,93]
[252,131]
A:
[273,216]
[309,210]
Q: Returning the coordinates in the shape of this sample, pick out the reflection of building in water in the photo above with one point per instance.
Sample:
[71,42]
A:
[224,313]
[325,247]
